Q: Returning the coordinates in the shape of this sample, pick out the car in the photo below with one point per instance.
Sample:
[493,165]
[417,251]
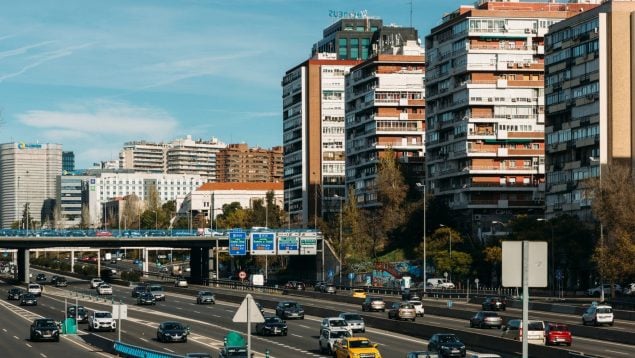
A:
[34,288]
[61,282]
[40,278]
[289,309]
[146,298]
[28,299]
[77,312]
[295,285]
[328,338]
[629,289]
[103,233]
[205,297]
[335,323]
[440,283]
[14,293]
[421,354]
[318,286]
[355,347]
[557,333]
[514,330]
[494,304]
[137,290]
[374,303]
[101,321]
[358,293]
[44,329]
[355,321]
[596,291]
[487,319]
[402,310]
[95,282]
[261,308]
[172,332]
[418,307]
[180,282]
[446,345]
[598,315]
[104,289]
[272,326]
[157,291]
[329,288]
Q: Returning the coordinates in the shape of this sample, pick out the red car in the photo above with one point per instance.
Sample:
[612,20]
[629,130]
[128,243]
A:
[557,333]
[103,233]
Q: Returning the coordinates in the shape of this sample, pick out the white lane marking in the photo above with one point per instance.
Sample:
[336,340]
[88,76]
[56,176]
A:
[4,329]
[43,355]
[215,315]
[296,335]
[28,345]
[143,339]
[303,326]
[16,337]
[616,352]
[169,350]
[196,312]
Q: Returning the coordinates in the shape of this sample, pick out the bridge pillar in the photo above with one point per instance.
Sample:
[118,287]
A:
[23,265]
[199,264]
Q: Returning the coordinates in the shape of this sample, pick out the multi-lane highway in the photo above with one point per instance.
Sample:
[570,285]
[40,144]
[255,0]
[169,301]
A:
[210,323]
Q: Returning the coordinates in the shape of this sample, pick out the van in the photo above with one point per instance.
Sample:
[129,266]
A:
[439,283]
[535,331]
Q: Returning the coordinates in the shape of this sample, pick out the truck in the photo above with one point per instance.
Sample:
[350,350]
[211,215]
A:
[257,280]
[107,256]
[234,346]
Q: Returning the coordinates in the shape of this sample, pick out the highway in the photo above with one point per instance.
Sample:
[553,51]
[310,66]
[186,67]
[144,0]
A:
[210,323]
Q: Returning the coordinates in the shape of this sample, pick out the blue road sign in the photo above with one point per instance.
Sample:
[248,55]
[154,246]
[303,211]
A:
[263,243]
[237,243]
[331,273]
[351,275]
[559,275]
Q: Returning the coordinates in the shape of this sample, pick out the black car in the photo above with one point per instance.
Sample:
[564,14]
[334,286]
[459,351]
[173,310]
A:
[45,329]
[138,290]
[40,278]
[61,282]
[205,297]
[494,304]
[14,293]
[28,299]
[446,345]
[261,308]
[272,326]
[172,332]
[54,279]
[146,298]
[295,285]
[77,312]
[289,309]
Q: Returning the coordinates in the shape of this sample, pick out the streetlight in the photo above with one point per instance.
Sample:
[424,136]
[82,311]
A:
[340,248]
[552,263]
[425,281]
[594,160]
[450,234]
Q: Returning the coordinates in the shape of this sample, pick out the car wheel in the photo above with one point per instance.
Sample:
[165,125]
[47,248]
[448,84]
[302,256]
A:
[413,319]
[583,322]
[284,334]
[57,339]
[185,340]
[471,324]
[611,324]
[595,322]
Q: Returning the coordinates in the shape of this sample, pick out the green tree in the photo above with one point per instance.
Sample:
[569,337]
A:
[438,248]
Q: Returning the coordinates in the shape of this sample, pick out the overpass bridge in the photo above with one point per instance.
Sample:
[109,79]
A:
[236,242]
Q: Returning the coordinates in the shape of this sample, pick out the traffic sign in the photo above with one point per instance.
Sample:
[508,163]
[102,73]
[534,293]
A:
[351,275]
[242,275]
[248,312]
[263,243]
[237,243]
[331,273]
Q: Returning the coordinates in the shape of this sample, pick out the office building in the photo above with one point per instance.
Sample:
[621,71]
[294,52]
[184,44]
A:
[68,162]
[144,156]
[385,110]
[589,92]
[237,163]
[28,176]
[485,110]
[72,198]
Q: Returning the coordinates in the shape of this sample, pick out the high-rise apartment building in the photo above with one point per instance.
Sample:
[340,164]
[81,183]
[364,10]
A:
[28,176]
[485,109]
[144,156]
[238,163]
[68,161]
[385,110]
[589,95]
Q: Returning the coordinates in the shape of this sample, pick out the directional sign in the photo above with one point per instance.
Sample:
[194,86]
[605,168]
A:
[263,243]
[248,312]
[119,311]
[308,243]
[288,244]
[237,243]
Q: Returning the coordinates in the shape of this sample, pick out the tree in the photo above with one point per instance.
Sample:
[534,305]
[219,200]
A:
[56,219]
[438,248]
[85,217]
[131,211]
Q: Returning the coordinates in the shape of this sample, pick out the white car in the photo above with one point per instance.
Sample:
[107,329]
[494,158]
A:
[95,282]
[101,320]
[418,307]
[180,282]
[598,315]
[104,289]
[335,323]
[35,289]
[355,321]
[595,291]
[630,289]
[328,338]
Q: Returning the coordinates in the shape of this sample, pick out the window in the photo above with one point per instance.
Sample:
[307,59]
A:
[343,51]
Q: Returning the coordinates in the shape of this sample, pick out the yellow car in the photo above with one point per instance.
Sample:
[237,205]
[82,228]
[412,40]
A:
[359,293]
[355,347]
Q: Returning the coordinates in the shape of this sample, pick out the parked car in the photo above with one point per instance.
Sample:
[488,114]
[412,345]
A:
[101,320]
[402,310]
[289,309]
[28,299]
[104,289]
[272,326]
[77,312]
[629,289]
[205,297]
[439,283]
[328,338]
[494,303]
[95,282]
[596,291]
[598,315]
[487,319]
[557,333]
[172,332]
[374,303]
[335,323]
[535,334]
[14,294]
[446,345]
[35,289]
[146,298]
[355,347]
[418,307]
[44,329]
[355,321]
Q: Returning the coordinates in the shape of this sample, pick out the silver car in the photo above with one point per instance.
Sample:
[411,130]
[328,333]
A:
[355,322]
[488,319]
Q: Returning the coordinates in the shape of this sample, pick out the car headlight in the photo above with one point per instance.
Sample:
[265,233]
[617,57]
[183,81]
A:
[462,347]
[444,347]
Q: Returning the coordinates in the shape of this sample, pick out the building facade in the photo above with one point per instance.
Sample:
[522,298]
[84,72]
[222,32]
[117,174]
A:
[238,163]
[72,198]
[485,110]
[588,86]
[68,161]
[385,110]
[28,177]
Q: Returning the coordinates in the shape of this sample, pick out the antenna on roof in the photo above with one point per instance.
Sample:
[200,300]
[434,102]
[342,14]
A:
[411,12]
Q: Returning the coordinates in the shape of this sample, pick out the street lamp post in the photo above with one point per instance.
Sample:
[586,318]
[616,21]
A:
[601,231]
[450,235]
[340,245]
[425,281]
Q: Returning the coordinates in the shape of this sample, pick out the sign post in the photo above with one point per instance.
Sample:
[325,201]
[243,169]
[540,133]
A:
[248,312]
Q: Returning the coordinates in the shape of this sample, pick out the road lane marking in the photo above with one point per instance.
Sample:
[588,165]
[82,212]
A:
[617,352]
[169,350]
[296,335]
[16,337]
[43,355]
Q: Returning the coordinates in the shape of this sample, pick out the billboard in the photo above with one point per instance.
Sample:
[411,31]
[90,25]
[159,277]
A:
[288,243]
[263,243]
[237,243]
[308,243]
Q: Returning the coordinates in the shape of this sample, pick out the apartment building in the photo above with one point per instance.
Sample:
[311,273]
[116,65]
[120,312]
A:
[238,163]
[485,109]
[28,176]
[589,92]
[72,197]
[385,110]
[144,156]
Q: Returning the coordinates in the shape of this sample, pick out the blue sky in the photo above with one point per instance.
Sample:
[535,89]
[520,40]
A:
[92,74]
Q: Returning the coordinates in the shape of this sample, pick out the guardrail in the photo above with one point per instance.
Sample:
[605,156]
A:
[128,350]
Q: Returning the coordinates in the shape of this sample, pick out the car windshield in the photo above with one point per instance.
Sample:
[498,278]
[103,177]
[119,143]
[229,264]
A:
[273,320]
[406,305]
[448,339]
[377,299]
[147,295]
[339,334]
[205,293]
[558,328]
[34,286]
[172,325]
[416,303]
[337,323]
[352,317]
[45,323]
[103,315]
[156,288]
[490,314]
[604,310]
[535,326]
[362,343]
[290,305]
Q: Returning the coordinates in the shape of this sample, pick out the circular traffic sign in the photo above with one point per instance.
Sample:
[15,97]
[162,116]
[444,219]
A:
[242,275]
